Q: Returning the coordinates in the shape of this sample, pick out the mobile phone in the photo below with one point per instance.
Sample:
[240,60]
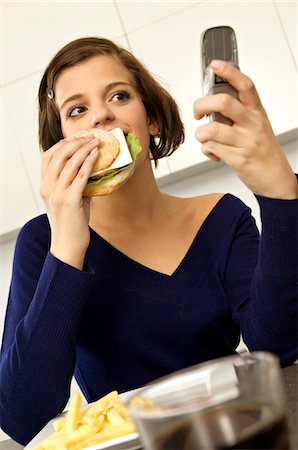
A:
[218,43]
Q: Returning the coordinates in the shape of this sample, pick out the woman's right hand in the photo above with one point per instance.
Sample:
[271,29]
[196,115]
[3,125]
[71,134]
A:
[65,170]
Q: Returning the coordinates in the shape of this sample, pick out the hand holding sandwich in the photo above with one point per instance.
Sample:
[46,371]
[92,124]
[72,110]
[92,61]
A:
[65,170]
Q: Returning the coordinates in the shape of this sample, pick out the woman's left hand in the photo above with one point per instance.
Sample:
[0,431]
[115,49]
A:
[249,146]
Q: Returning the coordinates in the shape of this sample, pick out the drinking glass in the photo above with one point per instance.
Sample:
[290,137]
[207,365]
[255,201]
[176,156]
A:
[235,402]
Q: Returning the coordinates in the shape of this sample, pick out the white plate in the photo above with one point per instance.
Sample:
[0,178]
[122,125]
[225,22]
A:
[127,442]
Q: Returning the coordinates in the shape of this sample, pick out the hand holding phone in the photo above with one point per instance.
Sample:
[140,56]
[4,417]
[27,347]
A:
[218,43]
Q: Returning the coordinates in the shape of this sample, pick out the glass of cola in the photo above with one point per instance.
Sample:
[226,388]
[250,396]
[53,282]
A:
[235,402]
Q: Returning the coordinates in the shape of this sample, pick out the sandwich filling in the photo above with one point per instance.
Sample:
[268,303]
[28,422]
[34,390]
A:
[128,150]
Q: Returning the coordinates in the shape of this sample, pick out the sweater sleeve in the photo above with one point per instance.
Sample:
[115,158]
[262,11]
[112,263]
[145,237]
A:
[45,303]
[267,313]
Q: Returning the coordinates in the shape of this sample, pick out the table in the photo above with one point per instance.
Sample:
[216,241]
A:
[290,377]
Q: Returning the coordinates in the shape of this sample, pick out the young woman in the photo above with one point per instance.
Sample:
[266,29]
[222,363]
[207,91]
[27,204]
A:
[128,287]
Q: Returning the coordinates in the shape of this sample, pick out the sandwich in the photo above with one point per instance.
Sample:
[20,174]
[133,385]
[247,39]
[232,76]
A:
[115,163]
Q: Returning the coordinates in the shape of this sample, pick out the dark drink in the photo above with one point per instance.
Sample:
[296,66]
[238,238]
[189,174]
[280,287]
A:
[235,426]
[235,402]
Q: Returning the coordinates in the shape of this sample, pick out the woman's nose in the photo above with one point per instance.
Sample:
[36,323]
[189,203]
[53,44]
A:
[101,115]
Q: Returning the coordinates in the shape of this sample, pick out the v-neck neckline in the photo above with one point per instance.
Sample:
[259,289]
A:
[186,255]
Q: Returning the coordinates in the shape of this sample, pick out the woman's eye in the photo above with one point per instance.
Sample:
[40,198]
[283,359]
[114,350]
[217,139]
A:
[120,97]
[75,111]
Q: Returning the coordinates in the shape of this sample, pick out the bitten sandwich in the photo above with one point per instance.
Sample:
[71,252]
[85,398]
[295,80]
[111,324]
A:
[115,163]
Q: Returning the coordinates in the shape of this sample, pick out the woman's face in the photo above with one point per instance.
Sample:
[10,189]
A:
[100,93]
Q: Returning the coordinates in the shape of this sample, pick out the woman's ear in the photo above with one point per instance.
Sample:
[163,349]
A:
[153,127]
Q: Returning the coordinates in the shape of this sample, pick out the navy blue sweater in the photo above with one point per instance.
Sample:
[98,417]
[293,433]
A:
[118,324]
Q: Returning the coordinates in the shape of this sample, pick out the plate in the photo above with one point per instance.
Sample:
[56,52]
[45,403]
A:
[127,442]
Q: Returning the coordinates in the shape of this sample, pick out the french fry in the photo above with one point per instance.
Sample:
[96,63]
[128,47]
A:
[61,447]
[59,424]
[119,405]
[145,403]
[73,414]
[94,420]
[102,420]
[114,417]
[100,405]
[56,437]
[81,434]
[109,432]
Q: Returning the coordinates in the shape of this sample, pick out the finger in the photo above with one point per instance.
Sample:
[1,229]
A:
[243,84]
[46,158]
[218,132]
[60,154]
[81,179]
[211,156]
[47,155]
[209,150]
[225,104]
[73,164]
[232,156]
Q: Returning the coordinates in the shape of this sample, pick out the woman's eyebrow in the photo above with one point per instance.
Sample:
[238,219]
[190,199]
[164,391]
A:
[70,99]
[106,89]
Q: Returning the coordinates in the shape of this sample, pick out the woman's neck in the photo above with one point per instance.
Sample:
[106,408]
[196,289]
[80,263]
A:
[137,202]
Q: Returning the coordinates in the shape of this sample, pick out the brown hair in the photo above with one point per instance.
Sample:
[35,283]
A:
[159,104]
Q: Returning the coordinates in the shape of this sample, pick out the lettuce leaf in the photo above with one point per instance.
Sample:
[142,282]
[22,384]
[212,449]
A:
[134,146]
[106,177]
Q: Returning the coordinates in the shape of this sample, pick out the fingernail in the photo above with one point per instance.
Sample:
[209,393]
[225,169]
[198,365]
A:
[216,64]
